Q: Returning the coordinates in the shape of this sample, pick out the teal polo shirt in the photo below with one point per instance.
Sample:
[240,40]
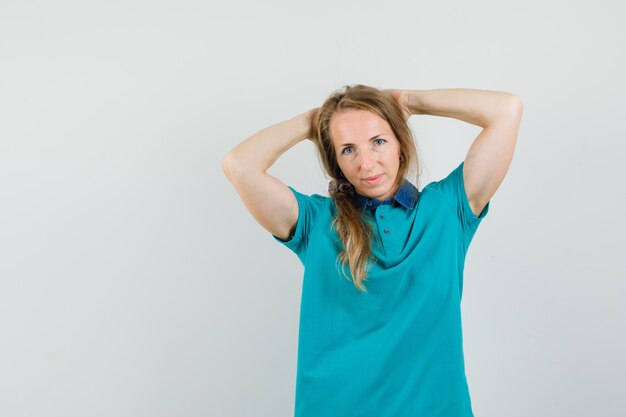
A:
[397,350]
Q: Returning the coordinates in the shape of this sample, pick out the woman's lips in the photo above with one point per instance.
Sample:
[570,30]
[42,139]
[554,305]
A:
[373,180]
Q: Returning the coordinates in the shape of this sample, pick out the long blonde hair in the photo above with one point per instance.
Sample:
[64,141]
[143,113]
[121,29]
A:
[350,223]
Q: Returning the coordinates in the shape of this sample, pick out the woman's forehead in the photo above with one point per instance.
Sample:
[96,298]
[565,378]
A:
[357,126]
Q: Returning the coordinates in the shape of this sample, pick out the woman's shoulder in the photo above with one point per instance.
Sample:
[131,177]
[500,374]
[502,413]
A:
[313,202]
[313,196]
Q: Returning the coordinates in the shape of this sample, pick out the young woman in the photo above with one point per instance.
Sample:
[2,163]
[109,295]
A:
[380,320]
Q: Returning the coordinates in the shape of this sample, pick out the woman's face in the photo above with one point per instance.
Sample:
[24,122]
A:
[367,152]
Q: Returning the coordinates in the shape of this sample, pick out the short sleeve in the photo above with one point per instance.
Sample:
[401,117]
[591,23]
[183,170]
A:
[308,208]
[453,189]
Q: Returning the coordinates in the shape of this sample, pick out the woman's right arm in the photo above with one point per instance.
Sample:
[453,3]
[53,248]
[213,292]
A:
[268,199]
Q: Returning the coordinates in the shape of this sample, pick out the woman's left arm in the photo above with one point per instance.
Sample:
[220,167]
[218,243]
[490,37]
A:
[490,155]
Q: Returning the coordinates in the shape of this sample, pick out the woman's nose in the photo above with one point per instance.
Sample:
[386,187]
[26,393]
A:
[367,160]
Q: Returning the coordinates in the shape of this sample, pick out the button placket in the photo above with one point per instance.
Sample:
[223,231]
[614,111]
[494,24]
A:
[381,224]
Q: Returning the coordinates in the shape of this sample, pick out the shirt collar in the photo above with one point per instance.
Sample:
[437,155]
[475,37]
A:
[406,195]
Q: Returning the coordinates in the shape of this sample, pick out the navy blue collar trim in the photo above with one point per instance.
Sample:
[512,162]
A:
[406,195]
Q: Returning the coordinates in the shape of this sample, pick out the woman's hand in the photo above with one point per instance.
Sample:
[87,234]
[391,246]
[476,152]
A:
[310,117]
[402,98]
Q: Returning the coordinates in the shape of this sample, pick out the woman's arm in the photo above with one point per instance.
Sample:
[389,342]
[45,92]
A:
[478,107]
[490,155]
[262,149]
[269,200]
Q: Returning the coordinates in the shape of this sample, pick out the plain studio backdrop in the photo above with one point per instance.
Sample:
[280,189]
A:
[133,281]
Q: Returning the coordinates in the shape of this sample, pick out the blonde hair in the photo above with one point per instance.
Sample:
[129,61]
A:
[350,223]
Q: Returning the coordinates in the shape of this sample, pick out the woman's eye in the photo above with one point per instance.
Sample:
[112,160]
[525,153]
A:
[349,148]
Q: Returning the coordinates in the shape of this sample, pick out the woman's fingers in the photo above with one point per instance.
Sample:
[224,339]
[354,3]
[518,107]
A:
[400,96]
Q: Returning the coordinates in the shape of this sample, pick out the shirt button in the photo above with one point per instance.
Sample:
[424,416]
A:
[382,216]
[387,231]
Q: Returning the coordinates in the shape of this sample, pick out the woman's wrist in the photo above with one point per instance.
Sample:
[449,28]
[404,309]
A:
[414,101]
[305,121]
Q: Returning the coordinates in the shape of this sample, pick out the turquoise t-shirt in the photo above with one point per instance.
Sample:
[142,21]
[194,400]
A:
[397,350]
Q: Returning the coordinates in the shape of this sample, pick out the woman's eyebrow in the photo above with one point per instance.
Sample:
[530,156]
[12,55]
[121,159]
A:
[373,137]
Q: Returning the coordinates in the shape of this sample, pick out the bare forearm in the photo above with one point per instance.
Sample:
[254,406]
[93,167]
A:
[262,149]
[478,107]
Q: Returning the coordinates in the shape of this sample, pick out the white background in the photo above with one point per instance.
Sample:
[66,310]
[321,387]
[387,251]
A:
[133,281]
